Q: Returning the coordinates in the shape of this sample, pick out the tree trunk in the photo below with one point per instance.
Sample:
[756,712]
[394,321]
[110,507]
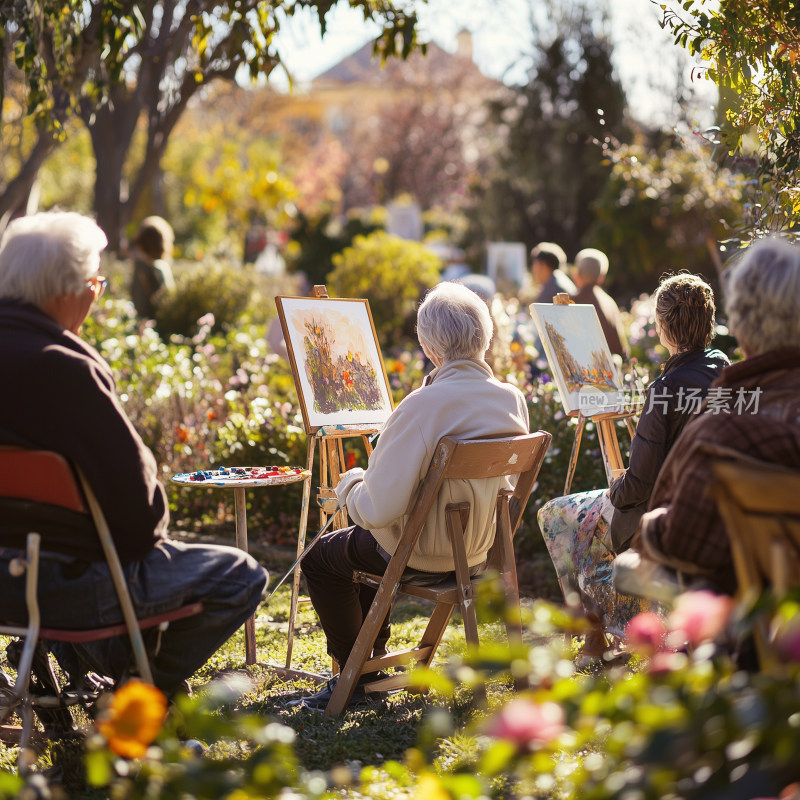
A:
[111,128]
[14,199]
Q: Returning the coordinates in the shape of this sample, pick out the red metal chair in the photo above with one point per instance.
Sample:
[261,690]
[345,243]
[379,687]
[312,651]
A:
[45,477]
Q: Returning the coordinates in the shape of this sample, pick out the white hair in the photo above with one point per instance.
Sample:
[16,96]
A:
[763,296]
[454,323]
[48,255]
[591,264]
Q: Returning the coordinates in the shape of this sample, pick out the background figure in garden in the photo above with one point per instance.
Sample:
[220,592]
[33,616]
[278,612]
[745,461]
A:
[152,248]
[548,262]
[753,409]
[60,395]
[591,268]
[584,531]
[460,398]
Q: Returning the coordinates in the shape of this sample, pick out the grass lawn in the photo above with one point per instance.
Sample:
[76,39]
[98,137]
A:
[369,735]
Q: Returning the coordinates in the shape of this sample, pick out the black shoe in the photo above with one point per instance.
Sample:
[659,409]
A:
[319,701]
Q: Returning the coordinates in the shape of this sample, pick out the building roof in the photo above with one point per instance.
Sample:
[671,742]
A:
[361,67]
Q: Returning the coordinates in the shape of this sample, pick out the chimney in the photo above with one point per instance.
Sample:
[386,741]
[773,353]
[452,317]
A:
[464,40]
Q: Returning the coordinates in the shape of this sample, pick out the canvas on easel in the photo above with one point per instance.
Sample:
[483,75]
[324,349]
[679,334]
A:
[343,392]
[579,357]
[587,377]
[336,361]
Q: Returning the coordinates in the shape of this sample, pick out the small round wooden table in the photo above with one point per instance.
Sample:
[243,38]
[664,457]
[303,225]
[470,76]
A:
[239,479]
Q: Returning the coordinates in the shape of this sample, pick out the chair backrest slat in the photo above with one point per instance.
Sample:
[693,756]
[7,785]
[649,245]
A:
[41,476]
[491,458]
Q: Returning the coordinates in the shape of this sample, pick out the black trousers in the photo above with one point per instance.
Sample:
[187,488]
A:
[340,603]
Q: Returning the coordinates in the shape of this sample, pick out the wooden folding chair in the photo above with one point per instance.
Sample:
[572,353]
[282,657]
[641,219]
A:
[760,506]
[453,459]
[45,477]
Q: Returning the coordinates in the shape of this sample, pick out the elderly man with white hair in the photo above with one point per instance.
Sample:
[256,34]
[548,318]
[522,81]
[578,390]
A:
[591,268]
[459,398]
[752,408]
[59,394]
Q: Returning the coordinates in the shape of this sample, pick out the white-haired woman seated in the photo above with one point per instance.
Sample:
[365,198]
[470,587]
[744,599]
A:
[460,398]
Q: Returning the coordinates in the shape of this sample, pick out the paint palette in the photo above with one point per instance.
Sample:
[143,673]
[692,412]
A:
[242,476]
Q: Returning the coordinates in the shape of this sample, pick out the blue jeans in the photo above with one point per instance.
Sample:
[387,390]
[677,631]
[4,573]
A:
[80,594]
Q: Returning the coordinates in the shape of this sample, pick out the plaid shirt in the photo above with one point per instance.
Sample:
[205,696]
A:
[752,409]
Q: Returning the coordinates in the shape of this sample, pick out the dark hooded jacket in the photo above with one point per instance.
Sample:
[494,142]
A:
[670,402]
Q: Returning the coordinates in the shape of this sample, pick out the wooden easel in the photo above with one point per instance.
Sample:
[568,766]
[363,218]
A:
[609,443]
[331,461]
[606,431]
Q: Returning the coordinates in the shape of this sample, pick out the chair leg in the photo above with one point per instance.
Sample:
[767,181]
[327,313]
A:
[457,516]
[513,624]
[434,630]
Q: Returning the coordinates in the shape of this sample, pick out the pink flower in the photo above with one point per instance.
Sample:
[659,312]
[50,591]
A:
[699,617]
[645,633]
[665,662]
[526,723]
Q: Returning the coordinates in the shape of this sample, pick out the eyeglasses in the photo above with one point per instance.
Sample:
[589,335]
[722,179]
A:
[98,284]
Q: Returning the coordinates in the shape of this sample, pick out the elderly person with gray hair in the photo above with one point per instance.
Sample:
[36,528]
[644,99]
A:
[591,268]
[60,395]
[459,398]
[752,408]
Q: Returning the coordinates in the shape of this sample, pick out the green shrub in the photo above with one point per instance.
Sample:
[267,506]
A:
[315,241]
[392,273]
[224,291]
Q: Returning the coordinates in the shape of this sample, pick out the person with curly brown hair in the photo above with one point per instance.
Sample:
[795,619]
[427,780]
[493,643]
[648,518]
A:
[752,409]
[584,531]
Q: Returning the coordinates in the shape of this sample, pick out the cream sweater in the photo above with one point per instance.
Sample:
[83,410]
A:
[461,399]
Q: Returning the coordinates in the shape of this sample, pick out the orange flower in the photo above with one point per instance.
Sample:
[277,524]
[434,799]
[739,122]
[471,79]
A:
[211,415]
[182,432]
[398,366]
[134,719]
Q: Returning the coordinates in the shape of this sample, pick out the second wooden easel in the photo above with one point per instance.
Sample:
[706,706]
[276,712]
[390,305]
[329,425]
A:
[606,424]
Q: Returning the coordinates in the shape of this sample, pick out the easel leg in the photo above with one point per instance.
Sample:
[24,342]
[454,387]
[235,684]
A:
[301,542]
[609,446]
[240,507]
[573,456]
[335,461]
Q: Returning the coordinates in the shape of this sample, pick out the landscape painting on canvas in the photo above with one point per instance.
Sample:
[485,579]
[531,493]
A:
[336,361]
[579,358]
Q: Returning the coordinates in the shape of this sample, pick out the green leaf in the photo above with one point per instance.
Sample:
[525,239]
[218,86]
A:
[98,767]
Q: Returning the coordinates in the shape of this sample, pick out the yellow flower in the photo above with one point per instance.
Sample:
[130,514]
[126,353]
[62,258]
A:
[429,788]
[134,719]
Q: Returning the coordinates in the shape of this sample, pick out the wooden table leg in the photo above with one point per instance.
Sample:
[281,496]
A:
[240,507]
